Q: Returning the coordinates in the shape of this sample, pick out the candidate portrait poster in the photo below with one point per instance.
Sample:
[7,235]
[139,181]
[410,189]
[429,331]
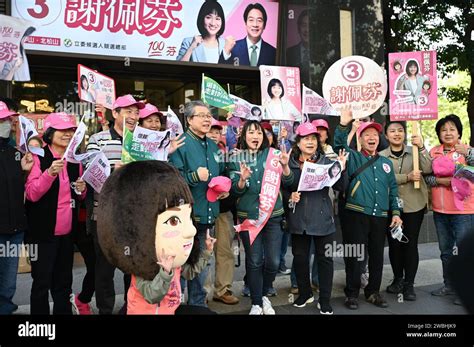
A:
[158,30]
[95,87]
[281,93]
[413,86]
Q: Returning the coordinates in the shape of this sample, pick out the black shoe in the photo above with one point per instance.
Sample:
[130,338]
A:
[303,300]
[325,307]
[409,292]
[396,286]
[351,303]
[443,291]
[377,300]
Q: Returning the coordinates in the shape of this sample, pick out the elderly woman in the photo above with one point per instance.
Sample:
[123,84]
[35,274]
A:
[452,223]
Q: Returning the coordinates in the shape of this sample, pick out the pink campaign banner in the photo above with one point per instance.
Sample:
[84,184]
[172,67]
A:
[413,85]
[281,92]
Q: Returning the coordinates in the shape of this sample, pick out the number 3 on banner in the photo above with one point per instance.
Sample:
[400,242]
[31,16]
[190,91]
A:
[352,71]
[43,10]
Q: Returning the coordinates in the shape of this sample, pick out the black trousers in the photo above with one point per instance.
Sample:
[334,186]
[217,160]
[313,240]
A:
[104,281]
[301,245]
[367,232]
[52,271]
[85,243]
[404,257]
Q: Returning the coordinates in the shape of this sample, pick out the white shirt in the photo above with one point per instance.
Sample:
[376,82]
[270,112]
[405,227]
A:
[413,84]
[212,54]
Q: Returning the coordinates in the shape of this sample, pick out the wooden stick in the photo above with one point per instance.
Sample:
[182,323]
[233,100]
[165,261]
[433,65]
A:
[416,160]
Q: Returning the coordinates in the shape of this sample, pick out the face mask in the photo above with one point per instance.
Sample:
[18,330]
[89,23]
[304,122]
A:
[5,129]
[397,234]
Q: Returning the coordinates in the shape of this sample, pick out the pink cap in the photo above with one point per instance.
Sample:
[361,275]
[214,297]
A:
[462,190]
[215,123]
[320,123]
[218,185]
[443,167]
[59,121]
[148,110]
[306,129]
[127,100]
[5,112]
[367,125]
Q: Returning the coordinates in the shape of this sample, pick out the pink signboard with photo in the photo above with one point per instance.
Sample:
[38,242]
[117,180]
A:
[413,85]
[95,87]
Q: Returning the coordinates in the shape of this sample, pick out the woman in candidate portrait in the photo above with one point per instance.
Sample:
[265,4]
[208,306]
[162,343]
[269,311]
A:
[412,81]
[278,107]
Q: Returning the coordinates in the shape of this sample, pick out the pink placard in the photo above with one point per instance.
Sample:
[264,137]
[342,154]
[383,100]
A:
[413,86]
[281,92]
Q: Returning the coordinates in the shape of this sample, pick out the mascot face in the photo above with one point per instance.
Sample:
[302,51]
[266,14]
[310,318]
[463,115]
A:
[175,234]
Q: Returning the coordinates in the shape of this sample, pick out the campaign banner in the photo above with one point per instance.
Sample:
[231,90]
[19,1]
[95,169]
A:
[246,110]
[413,86]
[173,123]
[97,172]
[355,81]
[281,92]
[316,104]
[155,29]
[95,87]
[145,144]
[213,94]
[316,176]
[70,153]
[27,131]
[13,62]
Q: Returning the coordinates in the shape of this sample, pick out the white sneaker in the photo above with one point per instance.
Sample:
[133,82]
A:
[267,306]
[256,310]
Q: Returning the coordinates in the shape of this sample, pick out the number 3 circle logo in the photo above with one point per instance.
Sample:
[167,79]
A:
[42,12]
[352,71]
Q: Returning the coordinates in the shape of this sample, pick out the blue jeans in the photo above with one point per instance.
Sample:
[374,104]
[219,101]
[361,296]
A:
[451,228]
[8,272]
[263,258]
[314,269]
[196,292]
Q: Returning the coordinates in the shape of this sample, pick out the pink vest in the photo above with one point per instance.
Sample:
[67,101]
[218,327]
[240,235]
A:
[443,197]
[136,303]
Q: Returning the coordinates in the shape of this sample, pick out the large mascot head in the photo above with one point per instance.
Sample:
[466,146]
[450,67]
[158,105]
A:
[144,210]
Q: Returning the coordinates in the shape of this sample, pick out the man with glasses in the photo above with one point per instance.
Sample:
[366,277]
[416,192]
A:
[197,161]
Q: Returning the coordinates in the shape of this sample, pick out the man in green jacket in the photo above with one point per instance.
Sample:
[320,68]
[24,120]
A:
[198,161]
[371,198]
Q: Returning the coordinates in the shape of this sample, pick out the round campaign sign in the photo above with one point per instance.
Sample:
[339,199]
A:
[358,82]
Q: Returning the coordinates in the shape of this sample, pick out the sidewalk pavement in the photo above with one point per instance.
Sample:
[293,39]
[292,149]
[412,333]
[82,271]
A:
[429,277]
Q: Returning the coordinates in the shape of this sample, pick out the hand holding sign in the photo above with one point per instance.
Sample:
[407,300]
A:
[27,162]
[56,167]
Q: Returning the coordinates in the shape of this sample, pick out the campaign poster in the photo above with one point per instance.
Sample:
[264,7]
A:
[95,87]
[413,86]
[281,93]
[179,30]
[316,176]
[356,82]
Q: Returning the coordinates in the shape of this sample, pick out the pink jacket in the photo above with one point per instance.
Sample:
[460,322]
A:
[38,183]
[443,197]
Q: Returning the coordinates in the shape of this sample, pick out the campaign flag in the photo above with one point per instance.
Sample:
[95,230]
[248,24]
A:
[246,110]
[70,154]
[95,87]
[27,131]
[173,123]
[97,172]
[316,176]
[315,103]
[213,94]
[13,61]
[145,144]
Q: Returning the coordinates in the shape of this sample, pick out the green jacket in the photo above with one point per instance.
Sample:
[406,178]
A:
[187,159]
[374,191]
[249,197]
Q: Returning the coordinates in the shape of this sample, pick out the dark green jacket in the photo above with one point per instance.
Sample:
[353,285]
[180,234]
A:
[249,197]
[187,159]
[374,191]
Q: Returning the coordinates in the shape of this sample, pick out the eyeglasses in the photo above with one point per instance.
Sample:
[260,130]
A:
[203,115]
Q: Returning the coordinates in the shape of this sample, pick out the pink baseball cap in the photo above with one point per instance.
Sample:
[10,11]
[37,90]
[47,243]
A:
[59,121]
[320,123]
[218,185]
[5,112]
[443,167]
[127,100]
[216,124]
[148,110]
[306,129]
[462,190]
[367,125]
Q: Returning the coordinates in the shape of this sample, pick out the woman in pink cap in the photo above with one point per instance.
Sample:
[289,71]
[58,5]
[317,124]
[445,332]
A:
[305,227]
[53,191]
[323,130]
